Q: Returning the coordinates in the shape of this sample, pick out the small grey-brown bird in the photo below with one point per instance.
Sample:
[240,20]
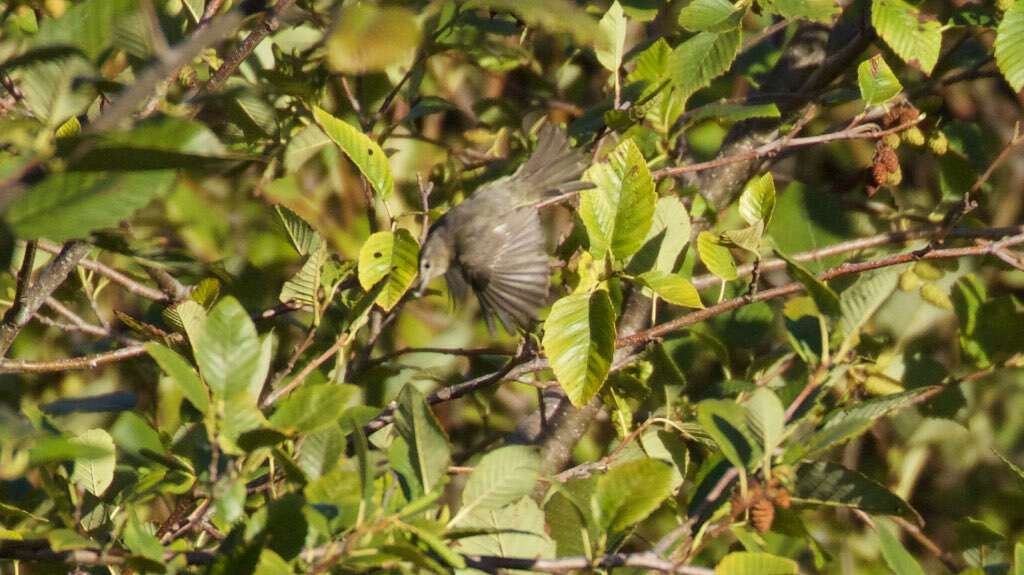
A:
[493,242]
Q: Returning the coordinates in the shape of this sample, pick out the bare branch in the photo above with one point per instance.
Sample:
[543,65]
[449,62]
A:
[795,287]
[110,273]
[85,362]
[859,132]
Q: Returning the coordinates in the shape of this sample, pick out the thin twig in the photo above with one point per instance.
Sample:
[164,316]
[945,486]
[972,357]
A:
[111,274]
[795,287]
[861,132]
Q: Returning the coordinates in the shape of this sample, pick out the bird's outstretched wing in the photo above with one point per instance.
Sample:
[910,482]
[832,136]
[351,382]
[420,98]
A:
[506,265]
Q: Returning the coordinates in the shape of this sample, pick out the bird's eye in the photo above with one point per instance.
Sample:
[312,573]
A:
[426,266]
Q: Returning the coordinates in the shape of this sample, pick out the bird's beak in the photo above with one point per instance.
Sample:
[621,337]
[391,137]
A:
[421,287]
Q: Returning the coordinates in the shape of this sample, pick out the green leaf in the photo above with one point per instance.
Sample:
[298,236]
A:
[303,146]
[610,43]
[135,436]
[1009,46]
[502,477]
[669,234]
[914,37]
[363,151]
[877,83]
[716,256]
[726,422]
[95,474]
[304,238]
[710,16]
[694,63]
[831,484]
[63,448]
[311,407]
[516,530]
[673,288]
[860,301]
[89,26]
[392,257]
[748,563]
[757,203]
[618,212]
[142,541]
[766,418]
[182,374]
[630,492]
[368,38]
[232,359]
[429,452]
[730,112]
[824,297]
[843,424]
[551,15]
[71,205]
[816,10]
[68,539]
[304,286]
[163,144]
[579,340]
[896,555]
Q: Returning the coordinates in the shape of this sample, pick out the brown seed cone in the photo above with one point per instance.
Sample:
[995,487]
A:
[781,498]
[762,514]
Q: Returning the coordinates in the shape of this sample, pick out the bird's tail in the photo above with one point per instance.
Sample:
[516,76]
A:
[554,168]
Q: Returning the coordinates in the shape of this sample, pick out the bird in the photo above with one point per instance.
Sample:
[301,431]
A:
[493,243]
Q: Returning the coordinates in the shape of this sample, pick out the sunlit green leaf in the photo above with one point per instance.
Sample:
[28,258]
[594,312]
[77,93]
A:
[710,16]
[673,288]
[757,202]
[232,359]
[766,418]
[751,563]
[824,297]
[716,257]
[877,83]
[702,58]
[1009,46]
[816,10]
[611,40]
[363,151]
[391,257]
[619,210]
[913,36]
[579,340]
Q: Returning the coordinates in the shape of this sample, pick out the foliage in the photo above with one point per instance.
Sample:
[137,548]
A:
[783,325]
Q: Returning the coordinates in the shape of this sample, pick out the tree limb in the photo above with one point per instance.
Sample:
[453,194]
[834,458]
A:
[28,301]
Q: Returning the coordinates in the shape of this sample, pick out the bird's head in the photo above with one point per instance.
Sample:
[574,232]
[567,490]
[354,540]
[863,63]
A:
[434,257]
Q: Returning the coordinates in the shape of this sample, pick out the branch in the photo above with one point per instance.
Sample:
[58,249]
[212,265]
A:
[888,238]
[85,362]
[860,132]
[28,301]
[111,274]
[493,564]
[269,23]
[40,550]
[795,287]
